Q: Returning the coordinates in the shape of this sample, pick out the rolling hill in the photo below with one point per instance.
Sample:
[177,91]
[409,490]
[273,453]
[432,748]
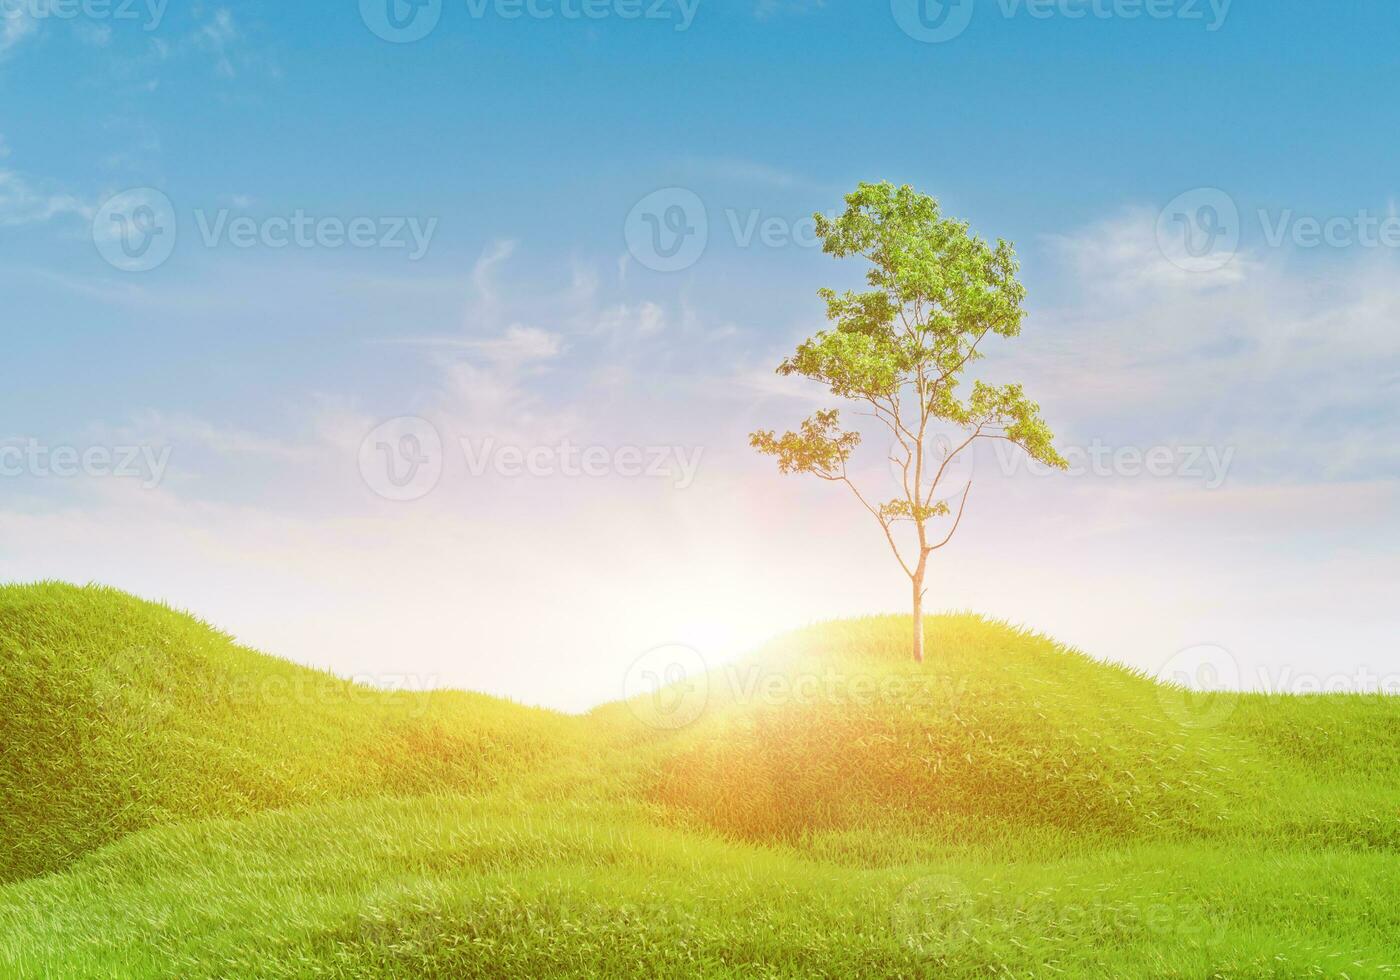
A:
[121,714]
[175,805]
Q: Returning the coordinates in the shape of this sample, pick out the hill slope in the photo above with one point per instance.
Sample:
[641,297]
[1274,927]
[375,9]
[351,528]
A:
[179,806]
[834,730]
[117,714]
[457,888]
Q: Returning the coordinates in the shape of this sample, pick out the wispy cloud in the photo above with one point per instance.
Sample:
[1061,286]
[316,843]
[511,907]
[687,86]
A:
[1122,255]
[627,322]
[1297,371]
[22,202]
[152,427]
[15,26]
[735,170]
[518,345]
[217,36]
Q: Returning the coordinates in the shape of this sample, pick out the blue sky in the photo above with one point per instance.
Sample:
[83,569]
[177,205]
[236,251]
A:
[521,147]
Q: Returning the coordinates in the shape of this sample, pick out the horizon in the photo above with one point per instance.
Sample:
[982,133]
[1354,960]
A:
[1205,669]
[438,356]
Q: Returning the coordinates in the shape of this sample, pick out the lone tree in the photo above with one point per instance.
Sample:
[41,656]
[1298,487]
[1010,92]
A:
[900,351]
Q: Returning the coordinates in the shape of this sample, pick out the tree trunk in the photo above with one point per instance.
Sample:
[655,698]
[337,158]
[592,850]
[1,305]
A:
[919,614]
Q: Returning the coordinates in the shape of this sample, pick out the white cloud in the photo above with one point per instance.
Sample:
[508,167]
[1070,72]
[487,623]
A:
[1122,256]
[518,346]
[749,172]
[626,322]
[152,427]
[483,276]
[217,36]
[1291,359]
[22,203]
[498,584]
[15,26]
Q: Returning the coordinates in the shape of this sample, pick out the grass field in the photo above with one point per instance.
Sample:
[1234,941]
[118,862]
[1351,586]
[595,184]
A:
[174,805]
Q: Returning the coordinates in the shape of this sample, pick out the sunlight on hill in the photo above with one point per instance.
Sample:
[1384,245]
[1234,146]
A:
[119,714]
[176,805]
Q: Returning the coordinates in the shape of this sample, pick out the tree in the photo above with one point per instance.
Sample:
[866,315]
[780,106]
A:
[900,350]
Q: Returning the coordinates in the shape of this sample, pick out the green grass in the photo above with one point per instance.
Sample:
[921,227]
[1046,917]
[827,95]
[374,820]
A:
[119,714]
[1011,808]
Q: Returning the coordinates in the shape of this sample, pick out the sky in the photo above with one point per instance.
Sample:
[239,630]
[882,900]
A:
[422,341]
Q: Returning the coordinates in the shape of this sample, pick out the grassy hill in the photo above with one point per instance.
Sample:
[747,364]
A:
[1006,730]
[119,714]
[1010,808]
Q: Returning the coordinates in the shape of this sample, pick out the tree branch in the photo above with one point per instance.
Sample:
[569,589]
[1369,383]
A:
[884,525]
[938,477]
[962,506]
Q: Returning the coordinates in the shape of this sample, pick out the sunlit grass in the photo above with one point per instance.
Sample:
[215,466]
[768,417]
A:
[119,714]
[1009,808]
